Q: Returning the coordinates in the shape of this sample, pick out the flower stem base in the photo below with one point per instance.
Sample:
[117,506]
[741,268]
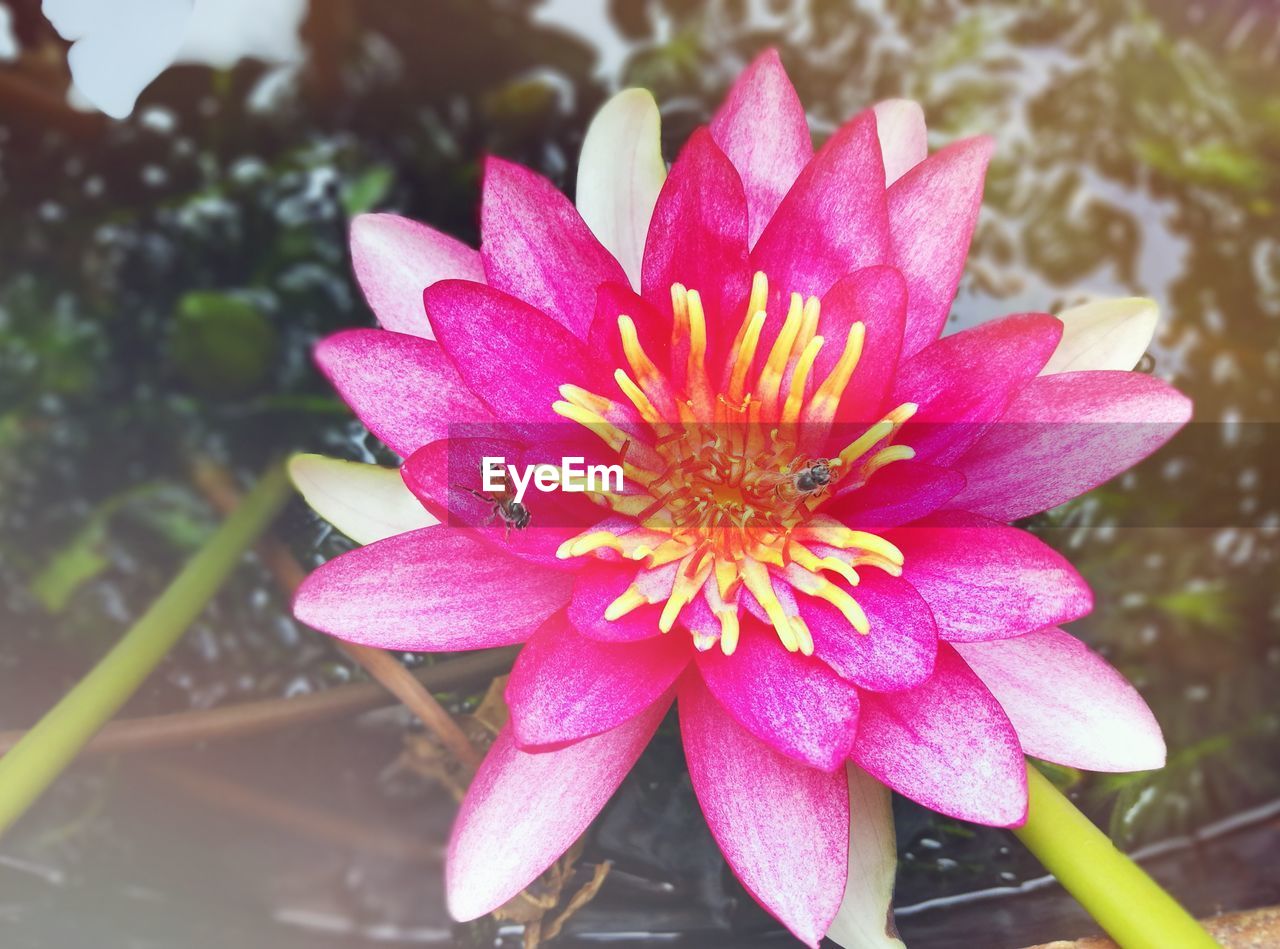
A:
[1134,910]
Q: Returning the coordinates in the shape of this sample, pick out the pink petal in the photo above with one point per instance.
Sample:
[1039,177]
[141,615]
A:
[876,297]
[793,703]
[395,259]
[763,130]
[1066,703]
[515,357]
[834,220]
[1064,435]
[897,494]
[595,587]
[565,687]
[983,580]
[783,826]
[964,382]
[431,590]
[904,141]
[403,388]
[899,651]
[537,248]
[698,237]
[524,810]
[946,744]
[932,212]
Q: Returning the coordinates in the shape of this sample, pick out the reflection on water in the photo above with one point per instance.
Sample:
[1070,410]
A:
[165,278]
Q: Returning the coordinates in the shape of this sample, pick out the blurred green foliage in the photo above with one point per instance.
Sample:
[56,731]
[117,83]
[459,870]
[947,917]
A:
[222,345]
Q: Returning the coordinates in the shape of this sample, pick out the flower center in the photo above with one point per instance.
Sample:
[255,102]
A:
[728,490]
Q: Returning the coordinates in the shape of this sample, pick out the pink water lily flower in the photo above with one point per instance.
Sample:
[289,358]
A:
[811,559]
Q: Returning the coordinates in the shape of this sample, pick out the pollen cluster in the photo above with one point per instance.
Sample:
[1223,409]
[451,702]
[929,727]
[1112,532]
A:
[727,478]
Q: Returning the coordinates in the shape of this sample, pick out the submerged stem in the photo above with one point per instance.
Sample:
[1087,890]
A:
[183,729]
[1134,910]
[57,738]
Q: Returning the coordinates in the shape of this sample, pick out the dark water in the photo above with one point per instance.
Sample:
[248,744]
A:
[1138,152]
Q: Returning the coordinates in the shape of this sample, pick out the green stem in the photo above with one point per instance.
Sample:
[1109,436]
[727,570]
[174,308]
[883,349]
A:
[1127,903]
[47,749]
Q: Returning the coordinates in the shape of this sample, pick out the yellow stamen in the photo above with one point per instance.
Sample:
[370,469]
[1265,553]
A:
[689,580]
[815,564]
[584,543]
[633,545]
[729,631]
[822,408]
[771,375]
[887,427]
[631,599]
[746,353]
[637,397]
[902,413]
[606,431]
[703,641]
[803,635]
[726,613]
[756,577]
[637,358]
[826,530]
[863,443]
[824,589]
[799,380]
[756,303]
[672,609]
[727,578]
[668,552]
[875,560]
[768,553]
[808,326]
[696,364]
[679,309]
[680,315]
[887,456]
[580,397]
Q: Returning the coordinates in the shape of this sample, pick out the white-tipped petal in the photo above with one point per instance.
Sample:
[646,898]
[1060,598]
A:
[1068,704]
[1104,334]
[620,173]
[395,259]
[904,142]
[365,502]
[865,919]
